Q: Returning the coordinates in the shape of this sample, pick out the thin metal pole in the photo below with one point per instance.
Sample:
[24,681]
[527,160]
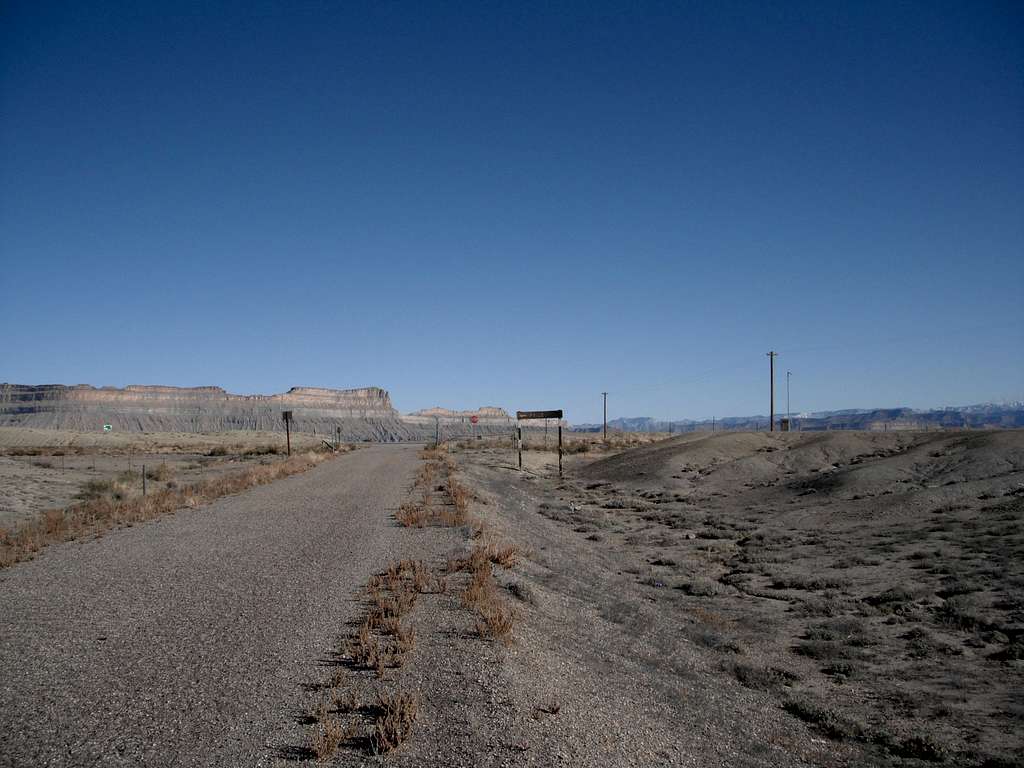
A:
[789,418]
[143,479]
[605,396]
[771,412]
[288,434]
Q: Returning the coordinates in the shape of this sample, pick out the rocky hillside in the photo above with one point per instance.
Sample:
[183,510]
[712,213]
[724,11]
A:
[361,414]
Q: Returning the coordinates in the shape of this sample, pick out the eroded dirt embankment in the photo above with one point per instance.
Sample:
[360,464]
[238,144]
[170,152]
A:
[825,598]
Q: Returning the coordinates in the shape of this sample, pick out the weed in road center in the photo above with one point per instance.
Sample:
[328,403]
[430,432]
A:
[398,713]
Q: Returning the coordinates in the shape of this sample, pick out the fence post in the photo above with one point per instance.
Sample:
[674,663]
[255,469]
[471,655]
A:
[143,479]
[519,433]
[559,449]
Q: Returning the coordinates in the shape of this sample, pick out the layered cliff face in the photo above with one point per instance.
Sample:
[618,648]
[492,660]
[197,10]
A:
[360,414]
[364,413]
[487,414]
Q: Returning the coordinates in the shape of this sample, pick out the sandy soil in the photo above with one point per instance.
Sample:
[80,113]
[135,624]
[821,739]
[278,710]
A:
[861,591]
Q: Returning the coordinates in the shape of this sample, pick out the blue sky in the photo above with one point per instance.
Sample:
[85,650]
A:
[518,204]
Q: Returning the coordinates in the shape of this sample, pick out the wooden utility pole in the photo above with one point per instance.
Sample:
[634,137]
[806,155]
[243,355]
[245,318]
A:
[559,448]
[771,411]
[519,443]
[605,396]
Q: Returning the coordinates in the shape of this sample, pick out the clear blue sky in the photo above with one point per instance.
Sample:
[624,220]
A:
[518,204]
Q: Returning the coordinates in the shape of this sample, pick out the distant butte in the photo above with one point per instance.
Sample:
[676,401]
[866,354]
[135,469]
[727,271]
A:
[365,413]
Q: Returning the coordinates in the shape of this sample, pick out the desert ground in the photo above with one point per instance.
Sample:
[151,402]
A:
[43,469]
[730,599]
[869,586]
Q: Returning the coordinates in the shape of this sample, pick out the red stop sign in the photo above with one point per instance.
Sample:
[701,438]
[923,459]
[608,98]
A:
[474,419]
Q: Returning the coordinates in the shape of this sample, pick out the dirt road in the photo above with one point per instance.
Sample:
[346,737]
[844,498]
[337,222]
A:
[188,641]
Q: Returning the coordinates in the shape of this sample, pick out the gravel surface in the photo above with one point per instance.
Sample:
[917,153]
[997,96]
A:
[189,640]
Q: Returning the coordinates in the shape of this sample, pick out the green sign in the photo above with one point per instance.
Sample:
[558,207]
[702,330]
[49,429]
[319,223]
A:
[107,428]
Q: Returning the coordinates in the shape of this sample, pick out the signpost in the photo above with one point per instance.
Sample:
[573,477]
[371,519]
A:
[526,415]
[108,427]
[287,416]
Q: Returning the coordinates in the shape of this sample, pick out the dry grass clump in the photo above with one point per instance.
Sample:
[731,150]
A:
[437,475]
[108,505]
[329,733]
[495,621]
[381,652]
[413,515]
[495,617]
[411,573]
[398,712]
[382,641]
[483,554]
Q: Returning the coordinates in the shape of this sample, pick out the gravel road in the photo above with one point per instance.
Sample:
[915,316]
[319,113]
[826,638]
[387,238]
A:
[189,640]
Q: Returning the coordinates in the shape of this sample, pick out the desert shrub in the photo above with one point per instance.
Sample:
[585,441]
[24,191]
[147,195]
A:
[841,669]
[522,591]
[961,613]
[1012,652]
[921,746]
[263,450]
[814,583]
[762,678]
[828,720]
[717,641]
[160,472]
[922,644]
[94,489]
[960,586]
[823,650]
[700,587]
[576,446]
[893,599]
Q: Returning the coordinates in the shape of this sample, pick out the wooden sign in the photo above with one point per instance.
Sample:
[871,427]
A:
[522,415]
[286,415]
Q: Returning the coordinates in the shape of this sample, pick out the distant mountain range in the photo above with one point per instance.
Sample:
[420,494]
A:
[985,415]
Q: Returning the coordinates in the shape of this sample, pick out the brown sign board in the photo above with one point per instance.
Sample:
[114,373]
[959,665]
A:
[523,415]
[286,415]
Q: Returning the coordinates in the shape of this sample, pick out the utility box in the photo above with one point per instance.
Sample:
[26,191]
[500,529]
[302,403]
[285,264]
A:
[784,425]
